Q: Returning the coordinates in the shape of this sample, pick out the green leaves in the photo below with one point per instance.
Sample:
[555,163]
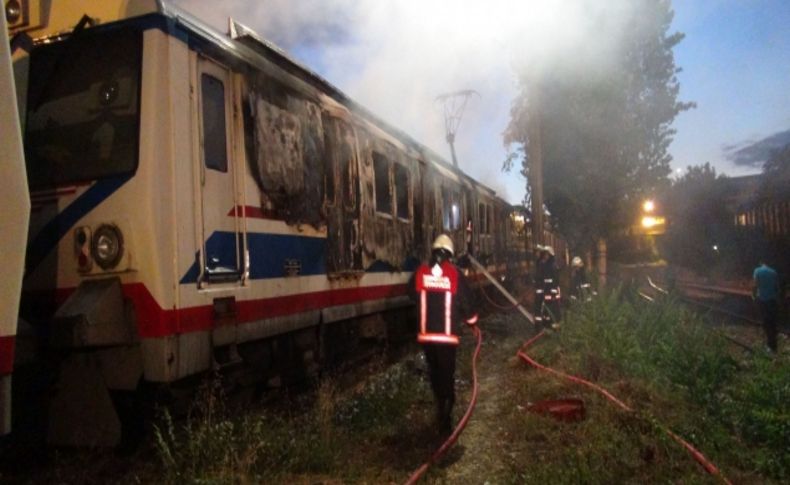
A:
[605,126]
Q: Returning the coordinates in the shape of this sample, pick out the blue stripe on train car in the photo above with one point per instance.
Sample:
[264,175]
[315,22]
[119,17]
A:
[54,230]
[269,254]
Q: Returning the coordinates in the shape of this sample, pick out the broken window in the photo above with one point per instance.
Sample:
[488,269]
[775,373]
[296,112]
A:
[381,169]
[348,164]
[331,168]
[451,210]
[490,220]
[401,191]
[215,153]
[481,215]
[289,143]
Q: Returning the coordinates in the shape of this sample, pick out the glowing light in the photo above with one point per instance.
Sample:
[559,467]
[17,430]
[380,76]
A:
[648,222]
[715,247]
[648,206]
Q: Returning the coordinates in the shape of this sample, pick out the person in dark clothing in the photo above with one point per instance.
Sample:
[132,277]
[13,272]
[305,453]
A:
[766,291]
[580,286]
[444,299]
[547,288]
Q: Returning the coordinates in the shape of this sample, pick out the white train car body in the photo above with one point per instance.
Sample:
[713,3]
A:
[14,216]
[192,192]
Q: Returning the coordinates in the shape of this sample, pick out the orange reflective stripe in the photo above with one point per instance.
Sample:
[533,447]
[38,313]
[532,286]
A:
[423,304]
[448,305]
[437,338]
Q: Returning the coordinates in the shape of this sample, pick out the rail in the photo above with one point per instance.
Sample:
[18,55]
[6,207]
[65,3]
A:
[708,307]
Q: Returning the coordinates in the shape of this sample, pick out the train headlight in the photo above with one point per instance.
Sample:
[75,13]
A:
[13,11]
[107,246]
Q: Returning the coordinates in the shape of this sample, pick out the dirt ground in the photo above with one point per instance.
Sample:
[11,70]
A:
[483,449]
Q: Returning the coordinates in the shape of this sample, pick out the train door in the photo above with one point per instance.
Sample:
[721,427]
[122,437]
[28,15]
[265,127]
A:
[341,185]
[221,235]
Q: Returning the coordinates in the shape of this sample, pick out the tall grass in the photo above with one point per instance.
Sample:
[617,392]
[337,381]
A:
[735,406]
[218,445]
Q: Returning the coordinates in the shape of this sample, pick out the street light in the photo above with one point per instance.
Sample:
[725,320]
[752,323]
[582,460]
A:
[648,206]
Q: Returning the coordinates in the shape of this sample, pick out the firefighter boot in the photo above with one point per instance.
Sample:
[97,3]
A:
[446,423]
[440,406]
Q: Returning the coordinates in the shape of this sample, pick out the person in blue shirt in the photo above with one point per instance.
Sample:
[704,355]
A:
[765,290]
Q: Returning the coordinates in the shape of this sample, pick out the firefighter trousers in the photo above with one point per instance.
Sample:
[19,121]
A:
[441,368]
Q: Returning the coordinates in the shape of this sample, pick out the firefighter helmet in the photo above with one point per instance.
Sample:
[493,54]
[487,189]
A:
[443,241]
[576,262]
[547,249]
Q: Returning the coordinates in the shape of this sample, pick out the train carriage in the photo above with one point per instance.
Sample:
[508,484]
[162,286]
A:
[196,197]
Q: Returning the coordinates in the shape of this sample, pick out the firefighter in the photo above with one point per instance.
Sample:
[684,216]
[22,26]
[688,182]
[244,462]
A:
[580,286]
[444,299]
[547,288]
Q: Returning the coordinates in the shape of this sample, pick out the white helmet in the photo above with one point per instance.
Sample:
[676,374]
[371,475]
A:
[443,241]
[548,249]
[576,262]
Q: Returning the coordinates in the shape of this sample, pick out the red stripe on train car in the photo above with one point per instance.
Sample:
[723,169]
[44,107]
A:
[154,321]
[6,354]
[247,211]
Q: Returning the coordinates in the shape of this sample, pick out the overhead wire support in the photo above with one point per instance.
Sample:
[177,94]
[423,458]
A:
[454,105]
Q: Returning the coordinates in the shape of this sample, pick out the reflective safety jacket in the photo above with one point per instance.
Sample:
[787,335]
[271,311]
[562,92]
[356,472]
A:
[444,299]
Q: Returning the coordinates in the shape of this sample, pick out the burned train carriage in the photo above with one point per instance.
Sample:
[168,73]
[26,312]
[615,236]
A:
[202,200]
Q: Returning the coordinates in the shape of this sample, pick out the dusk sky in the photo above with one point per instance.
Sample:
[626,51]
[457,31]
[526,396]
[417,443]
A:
[395,57]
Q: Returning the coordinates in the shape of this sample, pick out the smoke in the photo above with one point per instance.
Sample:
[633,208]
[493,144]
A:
[395,57]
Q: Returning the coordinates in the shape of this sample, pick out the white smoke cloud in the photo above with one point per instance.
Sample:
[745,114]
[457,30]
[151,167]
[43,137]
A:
[395,57]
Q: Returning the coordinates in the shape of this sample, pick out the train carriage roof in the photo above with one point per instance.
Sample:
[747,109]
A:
[241,43]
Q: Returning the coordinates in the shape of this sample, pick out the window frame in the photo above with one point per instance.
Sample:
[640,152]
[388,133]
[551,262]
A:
[451,198]
[223,168]
[403,169]
[379,158]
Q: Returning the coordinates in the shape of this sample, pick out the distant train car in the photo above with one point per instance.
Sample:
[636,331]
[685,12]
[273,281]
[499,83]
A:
[14,216]
[201,201]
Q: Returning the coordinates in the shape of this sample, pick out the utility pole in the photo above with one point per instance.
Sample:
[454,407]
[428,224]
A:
[454,105]
[535,159]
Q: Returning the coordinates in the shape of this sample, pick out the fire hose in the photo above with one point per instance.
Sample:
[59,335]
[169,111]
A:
[698,456]
[439,453]
[511,306]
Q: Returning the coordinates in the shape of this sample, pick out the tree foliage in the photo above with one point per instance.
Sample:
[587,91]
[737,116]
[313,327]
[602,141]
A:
[696,207]
[776,176]
[605,126]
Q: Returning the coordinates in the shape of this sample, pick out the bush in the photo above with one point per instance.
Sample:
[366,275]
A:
[739,411]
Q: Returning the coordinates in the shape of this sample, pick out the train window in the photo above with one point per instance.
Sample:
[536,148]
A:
[451,210]
[330,167]
[490,220]
[381,169]
[401,191]
[481,214]
[215,153]
[83,108]
[349,172]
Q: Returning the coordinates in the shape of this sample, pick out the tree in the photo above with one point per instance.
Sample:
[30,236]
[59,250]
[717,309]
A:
[605,127]
[775,184]
[700,232]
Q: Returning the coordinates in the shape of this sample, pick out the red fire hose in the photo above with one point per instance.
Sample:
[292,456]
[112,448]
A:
[709,467]
[419,472]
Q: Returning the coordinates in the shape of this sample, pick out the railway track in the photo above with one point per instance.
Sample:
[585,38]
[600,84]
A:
[732,305]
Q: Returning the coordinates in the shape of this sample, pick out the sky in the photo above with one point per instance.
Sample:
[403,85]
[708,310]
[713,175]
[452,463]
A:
[396,56]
